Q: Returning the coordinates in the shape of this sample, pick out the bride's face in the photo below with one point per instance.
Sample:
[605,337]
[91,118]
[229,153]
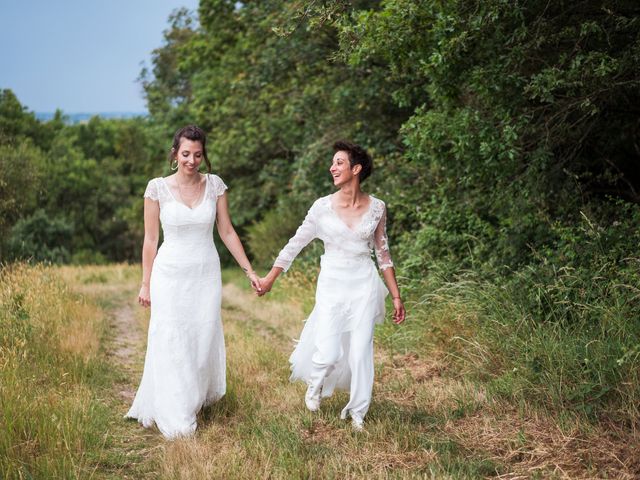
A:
[189,156]
[341,170]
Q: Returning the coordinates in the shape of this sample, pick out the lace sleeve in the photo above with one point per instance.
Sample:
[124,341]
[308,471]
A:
[305,233]
[381,242]
[152,190]
[219,185]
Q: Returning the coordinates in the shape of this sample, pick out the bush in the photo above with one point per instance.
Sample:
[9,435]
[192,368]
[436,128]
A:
[20,177]
[268,236]
[40,238]
[561,331]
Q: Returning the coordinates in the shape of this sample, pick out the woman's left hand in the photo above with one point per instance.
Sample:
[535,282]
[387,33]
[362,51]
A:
[399,313]
[255,282]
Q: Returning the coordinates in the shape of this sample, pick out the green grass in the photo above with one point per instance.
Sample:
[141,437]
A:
[261,428]
[562,343]
[52,423]
[59,414]
[447,402]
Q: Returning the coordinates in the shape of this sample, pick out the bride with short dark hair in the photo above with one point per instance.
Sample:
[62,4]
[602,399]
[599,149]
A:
[335,350]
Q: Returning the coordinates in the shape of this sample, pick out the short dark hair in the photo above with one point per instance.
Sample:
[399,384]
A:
[357,156]
[195,134]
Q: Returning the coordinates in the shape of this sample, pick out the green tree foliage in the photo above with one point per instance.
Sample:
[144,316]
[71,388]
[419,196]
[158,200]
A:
[167,85]
[523,113]
[504,134]
[15,121]
[73,192]
[41,238]
[489,121]
[505,142]
[20,179]
[272,104]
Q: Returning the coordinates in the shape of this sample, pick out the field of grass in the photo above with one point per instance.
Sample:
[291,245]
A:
[72,347]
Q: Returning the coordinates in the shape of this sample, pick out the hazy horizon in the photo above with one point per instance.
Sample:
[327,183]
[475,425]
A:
[83,117]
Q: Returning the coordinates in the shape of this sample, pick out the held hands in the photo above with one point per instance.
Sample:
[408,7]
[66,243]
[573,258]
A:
[266,285]
[268,281]
[263,285]
[399,313]
[144,299]
[255,282]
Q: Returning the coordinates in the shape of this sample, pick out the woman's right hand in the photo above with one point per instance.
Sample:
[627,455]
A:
[266,285]
[399,313]
[255,282]
[144,298]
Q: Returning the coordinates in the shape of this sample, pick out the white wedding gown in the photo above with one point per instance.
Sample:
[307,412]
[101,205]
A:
[184,368]
[335,349]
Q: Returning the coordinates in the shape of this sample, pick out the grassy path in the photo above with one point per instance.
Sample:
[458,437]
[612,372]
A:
[125,349]
[423,423]
[129,452]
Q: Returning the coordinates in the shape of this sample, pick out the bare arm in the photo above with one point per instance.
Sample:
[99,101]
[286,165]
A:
[149,247]
[231,240]
[389,275]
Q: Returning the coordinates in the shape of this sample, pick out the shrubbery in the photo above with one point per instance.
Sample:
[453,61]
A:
[73,192]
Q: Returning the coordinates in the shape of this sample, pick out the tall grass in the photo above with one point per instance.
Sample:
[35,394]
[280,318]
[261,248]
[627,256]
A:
[536,370]
[51,423]
[452,396]
[552,340]
[427,420]
[261,428]
[564,338]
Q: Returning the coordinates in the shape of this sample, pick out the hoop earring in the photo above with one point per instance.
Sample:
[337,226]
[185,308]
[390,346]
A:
[176,167]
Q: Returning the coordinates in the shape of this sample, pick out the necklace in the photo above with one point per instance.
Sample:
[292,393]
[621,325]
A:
[182,196]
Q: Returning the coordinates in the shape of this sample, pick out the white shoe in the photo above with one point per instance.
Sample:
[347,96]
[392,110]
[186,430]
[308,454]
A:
[357,424]
[311,400]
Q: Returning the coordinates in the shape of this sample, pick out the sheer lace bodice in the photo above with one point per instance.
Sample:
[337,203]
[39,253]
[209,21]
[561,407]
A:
[335,349]
[339,240]
[158,190]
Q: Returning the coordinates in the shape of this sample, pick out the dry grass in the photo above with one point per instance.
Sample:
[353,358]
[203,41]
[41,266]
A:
[536,444]
[65,380]
[522,441]
[425,421]
[52,309]
[51,424]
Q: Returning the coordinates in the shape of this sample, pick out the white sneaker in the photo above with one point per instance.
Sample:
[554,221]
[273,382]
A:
[357,424]
[311,400]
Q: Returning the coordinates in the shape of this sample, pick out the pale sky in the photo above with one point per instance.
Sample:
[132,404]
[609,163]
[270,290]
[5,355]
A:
[80,55]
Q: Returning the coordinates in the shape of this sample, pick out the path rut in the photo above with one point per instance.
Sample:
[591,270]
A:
[128,342]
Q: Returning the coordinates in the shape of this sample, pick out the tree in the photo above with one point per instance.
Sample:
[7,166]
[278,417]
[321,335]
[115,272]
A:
[20,167]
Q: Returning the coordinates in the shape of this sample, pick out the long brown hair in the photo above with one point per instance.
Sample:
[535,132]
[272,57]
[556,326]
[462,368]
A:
[195,134]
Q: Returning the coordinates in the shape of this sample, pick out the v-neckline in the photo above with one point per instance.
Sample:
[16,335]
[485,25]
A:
[357,225]
[204,195]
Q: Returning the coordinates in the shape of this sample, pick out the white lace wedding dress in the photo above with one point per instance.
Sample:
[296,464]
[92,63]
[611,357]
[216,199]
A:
[335,349]
[184,368]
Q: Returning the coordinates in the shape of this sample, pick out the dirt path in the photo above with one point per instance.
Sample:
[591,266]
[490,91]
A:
[126,347]
[423,423]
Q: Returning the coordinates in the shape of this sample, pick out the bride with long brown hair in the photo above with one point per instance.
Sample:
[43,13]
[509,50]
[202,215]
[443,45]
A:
[185,365]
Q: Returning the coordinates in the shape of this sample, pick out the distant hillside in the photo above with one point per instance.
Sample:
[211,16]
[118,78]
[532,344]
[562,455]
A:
[74,118]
